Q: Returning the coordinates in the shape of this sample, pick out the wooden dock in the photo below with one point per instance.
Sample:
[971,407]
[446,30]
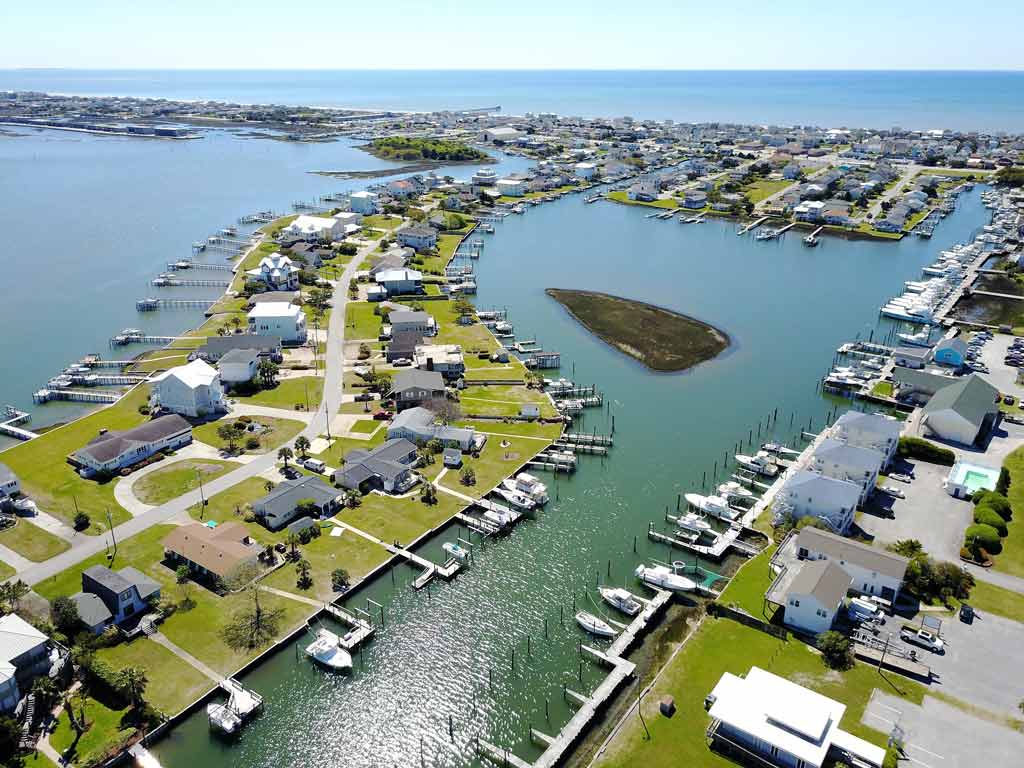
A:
[725,542]
[360,630]
[430,569]
[74,395]
[11,425]
[753,225]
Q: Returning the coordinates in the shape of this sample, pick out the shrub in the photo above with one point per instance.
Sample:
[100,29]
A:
[917,448]
[985,515]
[997,503]
[245,419]
[252,443]
[980,536]
[835,650]
[1003,483]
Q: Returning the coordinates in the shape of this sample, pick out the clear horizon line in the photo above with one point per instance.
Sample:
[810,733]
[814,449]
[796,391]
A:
[45,68]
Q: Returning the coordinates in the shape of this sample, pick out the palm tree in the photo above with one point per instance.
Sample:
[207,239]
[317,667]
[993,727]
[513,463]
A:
[268,486]
[302,570]
[132,681]
[284,454]
[302,445]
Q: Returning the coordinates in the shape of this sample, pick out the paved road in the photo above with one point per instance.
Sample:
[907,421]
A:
[86,547]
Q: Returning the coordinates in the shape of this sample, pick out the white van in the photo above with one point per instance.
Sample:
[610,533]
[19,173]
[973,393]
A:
[314,465]
[859,609]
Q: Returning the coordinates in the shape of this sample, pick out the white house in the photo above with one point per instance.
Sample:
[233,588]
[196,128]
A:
[418,237]
[962,411]
[585,170]
[500,133]
[695,198]
[815,596]
[192,390]
[782,723]
[349,218]
[400,282]
[869,430]
[366,203]
[239,366]
[285,321]
[315,228]
[644,190]
[842,461]
[420,322]
[808,494]
[809,210]
[418,425]
[277,272]
[24,655]
[446,359]
[511,187]
[872,570]
[109,452]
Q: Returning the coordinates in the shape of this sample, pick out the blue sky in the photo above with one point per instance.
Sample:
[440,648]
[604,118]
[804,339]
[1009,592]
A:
[482,34]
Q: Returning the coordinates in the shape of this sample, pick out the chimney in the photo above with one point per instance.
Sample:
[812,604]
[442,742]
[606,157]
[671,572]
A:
[430,363]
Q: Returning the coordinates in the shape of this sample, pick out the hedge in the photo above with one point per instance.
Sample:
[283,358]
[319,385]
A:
[998,504]
[985,515]
[981,536]
[917,448]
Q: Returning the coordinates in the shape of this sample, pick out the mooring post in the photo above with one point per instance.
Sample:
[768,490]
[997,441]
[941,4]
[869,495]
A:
[451,729]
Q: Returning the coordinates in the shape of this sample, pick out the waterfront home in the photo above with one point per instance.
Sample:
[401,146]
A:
[695,198]
[403,345]
[585,170]
[286,322]
[211,551]
[815,596]
[417,237]
[644,190]
[401,189]
[111,597]
[417,425]
[872,570]
[25,654]
[110,452]
[277,272]
[216,347]
[310,255]
[193,390]
[314,228]
[780,723]
[919,385]
[412,388]
[349,218]
[511,187]
[421,322]
[270,297]
[911,357]
[810,210]
[869,430]
[962,412]
[485,177]
[950,352]
[400,282]
[364,203]
[10,485]
[446,359]
[388,467]
[239,366]
[836,216]
[808,494]
[841,461]
[281,505]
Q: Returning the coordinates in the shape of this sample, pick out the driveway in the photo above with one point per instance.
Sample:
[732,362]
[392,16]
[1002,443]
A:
[939,735]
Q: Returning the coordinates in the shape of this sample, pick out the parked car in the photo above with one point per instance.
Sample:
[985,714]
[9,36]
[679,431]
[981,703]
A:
[402,362]
[900,478]
[862,610]
[923,638]
[892,490]
[290,472]
[1009,399]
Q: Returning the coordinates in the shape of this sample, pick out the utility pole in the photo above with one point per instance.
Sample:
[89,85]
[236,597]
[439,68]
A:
[113,537]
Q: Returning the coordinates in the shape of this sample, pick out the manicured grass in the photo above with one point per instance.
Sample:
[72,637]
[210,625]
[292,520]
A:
[31,541]
[1011,559]
[173,684]
[720,646]
[360,321]
[517,428]
[230,504]
[623,197]
[106,730]
[402,520]
[495,464]
[179,478]
[6,571]
[882,389]
[37,760]
[349,551]
[762,188]
[288,393]
[747,588]
[365,426]
[503,400]
[334,456]
[382,221]
[277,433]
[159,360]
[662,340]
[53,484]
[988,598]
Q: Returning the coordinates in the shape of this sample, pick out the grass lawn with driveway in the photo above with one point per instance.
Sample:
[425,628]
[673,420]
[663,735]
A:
[288,393]
[31,541]
[515,428]
[403,520]
[277,433]
[179,478]
[350,551]
[53,484]
[503,400]
[365,426]
[173,683]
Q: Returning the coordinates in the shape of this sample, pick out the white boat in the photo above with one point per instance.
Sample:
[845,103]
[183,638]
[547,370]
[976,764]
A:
[761,463]
[455,550]
[920,339]
[515,498]
[734,489]
[716,506]
[500,519]
[694,523]
[529,486]
[779,448]
[662,577]
[594,625]
[621,599]
[326,651]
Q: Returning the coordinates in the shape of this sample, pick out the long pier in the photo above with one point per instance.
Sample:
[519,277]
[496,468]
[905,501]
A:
[430,568]
[753,225]
[190,264]
[176,282]
[151,304]
[724,542]
[11,425]
[76,395]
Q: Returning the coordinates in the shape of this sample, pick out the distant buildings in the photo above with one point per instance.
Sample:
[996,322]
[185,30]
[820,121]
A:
[286,322]
[511,187]
[193,390]
[109,452]
[365,203]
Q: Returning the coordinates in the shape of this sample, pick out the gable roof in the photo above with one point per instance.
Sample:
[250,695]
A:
[972,397]
[197,373]
[286,496]
[216,346]
[841,549]
[383,461]
[847,455]
[842,491]
[17,637]
[103,448]
[416,379]
[822,579]
[91,609]
[245,356]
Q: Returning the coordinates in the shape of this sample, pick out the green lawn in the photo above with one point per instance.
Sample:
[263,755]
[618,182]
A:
[401,520]
[277,432]
[503,400]
[105,731]
[496,462]
[747,588]
[336,453]
[720,646]
[173,684]
[361,321]
[1011,559]
[230,504]
[623,197]
[382,221]
[882,389]
[6,571]
[988,598]
[288,393]
[758,190]
[179,478]
[523,428]
[53,483]
[31,541]
[365,426]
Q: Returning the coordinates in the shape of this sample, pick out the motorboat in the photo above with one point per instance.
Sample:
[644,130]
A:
[762,463]
[515,498]
[529,486]
[326,651]
[456,551]
[621,599]
[716,506]
[810,241]
[594,625]
[920,339]
[732,489]
[779,448]
[693,523]
[662,577]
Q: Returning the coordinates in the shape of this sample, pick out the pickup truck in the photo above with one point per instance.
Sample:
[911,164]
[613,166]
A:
[922,637]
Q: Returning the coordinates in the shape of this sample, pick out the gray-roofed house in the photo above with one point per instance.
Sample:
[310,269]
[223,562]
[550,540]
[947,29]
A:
[808,494]
[841,461]
[387,467]
[422,238]
[415,387]
[280,506]
[401,320]
[815,596]
[418,425]
[403,345]
[109,452]
[869,430]
[452,458]
[963,412]
[125,595]
[874,571]
[218,346]
[9,483]
[238,366]
[25,654]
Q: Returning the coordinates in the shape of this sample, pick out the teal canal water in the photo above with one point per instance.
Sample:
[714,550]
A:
[786,309]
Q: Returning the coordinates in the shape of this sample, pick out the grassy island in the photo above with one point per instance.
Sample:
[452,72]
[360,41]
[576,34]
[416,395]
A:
[659,338]
[428,150]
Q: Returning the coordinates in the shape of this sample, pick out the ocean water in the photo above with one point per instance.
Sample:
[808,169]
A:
[989,101]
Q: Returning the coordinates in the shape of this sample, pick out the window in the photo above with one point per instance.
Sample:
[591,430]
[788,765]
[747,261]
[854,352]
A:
[796,603]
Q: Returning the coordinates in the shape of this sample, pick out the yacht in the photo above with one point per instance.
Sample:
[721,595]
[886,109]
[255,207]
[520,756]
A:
[661,577]
[515,498]
[621,599]
[529,486]
[594,625]
[693,523]
[326,651]
[920,339]
[734,489]
[779,448]
[716,506]
[810,241]
[762,463]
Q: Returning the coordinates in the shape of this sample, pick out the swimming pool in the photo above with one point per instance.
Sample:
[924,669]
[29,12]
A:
[966,478]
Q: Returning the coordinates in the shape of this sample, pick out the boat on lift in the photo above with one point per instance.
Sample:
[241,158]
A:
[762,463]
[779,448]
[662,577]
[456,550]
[326,651]
[732,489]
[693,523]
[716,506]
[594,625]
[621,599]
[515,498]
[528,485]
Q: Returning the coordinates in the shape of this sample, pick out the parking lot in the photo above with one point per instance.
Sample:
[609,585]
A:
[1001,376]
